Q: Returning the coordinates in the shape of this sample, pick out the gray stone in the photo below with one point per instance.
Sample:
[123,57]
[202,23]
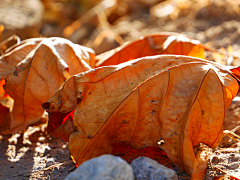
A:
[146,168]
[105,167]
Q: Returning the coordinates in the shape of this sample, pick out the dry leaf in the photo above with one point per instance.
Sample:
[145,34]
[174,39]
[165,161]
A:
[34,73]
[155,44]
[9,61]
[173,102]
[182,45]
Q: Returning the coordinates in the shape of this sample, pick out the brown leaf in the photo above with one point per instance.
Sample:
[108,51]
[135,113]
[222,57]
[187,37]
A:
[34,71]
[173,102]
[155,44]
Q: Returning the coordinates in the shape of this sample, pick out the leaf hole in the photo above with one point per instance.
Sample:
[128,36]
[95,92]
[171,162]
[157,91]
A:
[79,100]
[46,105]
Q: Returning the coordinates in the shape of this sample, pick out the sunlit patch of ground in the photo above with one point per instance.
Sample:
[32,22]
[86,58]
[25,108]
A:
[34,154]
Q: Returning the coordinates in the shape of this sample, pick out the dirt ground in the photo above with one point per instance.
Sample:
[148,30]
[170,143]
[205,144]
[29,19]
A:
[34,154]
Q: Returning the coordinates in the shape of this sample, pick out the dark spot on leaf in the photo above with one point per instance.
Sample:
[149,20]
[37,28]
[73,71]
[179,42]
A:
[152,101]
[15,72]
[125,122]
[153,113]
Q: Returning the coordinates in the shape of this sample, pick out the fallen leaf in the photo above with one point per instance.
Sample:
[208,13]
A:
[155,44]
[34,71]
[173,102]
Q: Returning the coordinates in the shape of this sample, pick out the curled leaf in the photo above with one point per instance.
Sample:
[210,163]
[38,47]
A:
[182,45]
[173,102]
[155,44]
[16,54]
[34,71]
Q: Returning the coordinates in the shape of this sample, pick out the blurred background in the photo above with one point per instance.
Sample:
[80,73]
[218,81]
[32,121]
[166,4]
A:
[106,24]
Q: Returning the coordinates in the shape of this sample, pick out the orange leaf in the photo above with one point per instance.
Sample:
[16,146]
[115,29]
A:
[156,44]
[172,102]
[182,45]
[6,103]
[34,71]
[3,94]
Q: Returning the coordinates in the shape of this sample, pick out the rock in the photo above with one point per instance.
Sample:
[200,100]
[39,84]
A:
[105,167]
[146,168]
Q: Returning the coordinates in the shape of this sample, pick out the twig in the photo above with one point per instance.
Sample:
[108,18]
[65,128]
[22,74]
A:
[167,163]
[232,135]
[224,172]
[13,37]
[51,167]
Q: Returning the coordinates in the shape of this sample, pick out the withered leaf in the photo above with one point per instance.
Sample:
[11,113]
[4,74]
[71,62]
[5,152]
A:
[173,102]
[155,44]
[34,73]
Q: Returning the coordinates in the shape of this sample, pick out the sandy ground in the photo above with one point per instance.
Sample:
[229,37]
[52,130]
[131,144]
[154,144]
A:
[34,155]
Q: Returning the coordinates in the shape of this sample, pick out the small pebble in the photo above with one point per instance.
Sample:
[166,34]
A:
[145,168]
